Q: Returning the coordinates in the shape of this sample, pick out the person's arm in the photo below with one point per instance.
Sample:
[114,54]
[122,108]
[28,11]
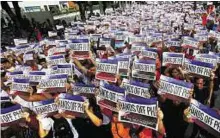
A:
[96,121]
[42,133]
[186,116]
[33,98]
[80,66]
[211,86]
[161,128]
[64,115]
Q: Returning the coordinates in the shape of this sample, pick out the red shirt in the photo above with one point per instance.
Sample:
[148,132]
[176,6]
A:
[204,19]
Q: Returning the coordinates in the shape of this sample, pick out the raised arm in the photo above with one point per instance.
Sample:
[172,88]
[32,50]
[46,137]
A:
[211,86]
[96,120]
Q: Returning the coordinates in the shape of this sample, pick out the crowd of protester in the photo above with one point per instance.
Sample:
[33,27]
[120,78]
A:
[100,122]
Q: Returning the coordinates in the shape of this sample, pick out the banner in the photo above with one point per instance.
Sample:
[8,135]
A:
[207,58]
[54,60]
[109,95]
[139,111]
[36,76]
[10,115]
[106,69]
[198,67]
[20,85]
[205,117]
[46,107]
[71,104]
[174,89]
[54,82]
[171,58]
[80,48]
[135,88]
[144,69]
[149,53]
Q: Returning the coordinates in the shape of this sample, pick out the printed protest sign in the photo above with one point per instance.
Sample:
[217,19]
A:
[135,88]
[71,104]
[106,69]
[207,58]
[199,68]
[28,57]
[119,44]
[59,27]
[137,47]
[82,89]
[54,83]
[95,37]
[205,117]
[80,48]
[36,76]
[46,107]
[139,111]
[20,41]
[136,38]
[123,66]
[15,74]
[173,43]
[149,53]
[189,42]
[20,85]
[52,33]
[105,41]
[175,89]
[170,58]
[109,95]
[57,50]
[22,49]
[65,69]
[54,60]
[201,37]
[144,69]
[10,115]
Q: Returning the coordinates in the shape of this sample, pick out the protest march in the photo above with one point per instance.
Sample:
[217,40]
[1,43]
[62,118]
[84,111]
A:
[147,70]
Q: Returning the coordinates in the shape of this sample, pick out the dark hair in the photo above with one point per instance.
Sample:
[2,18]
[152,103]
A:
[42,60]
[171,70]
[93,104]
[197,78]
[4,60]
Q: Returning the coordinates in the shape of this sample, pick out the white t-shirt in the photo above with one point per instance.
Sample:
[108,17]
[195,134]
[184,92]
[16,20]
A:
[47,123]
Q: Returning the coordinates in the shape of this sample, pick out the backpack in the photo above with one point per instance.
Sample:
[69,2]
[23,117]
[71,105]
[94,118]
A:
[62,128]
